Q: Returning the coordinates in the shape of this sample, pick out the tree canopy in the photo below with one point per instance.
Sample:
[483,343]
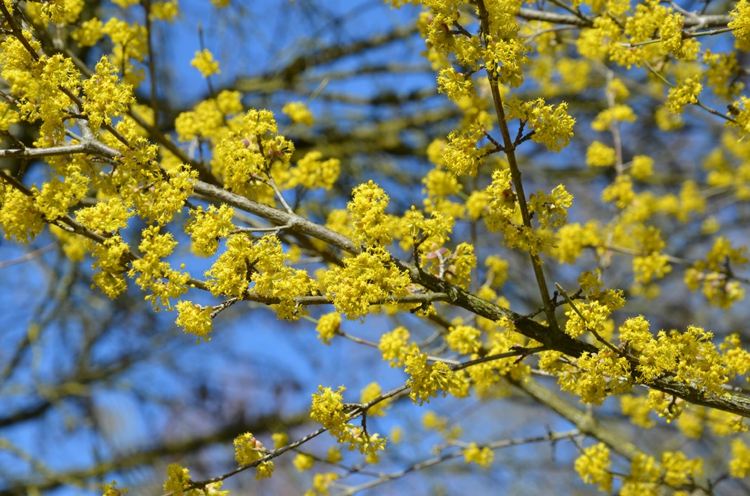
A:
[432,246]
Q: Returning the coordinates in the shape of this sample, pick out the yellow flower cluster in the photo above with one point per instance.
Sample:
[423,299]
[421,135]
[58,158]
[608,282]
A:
[321,484]
[371,392]
[56,11]
[153,274]
[586,316]
[551,210]
[600,155]
[712,274]
[440,183]
[205,63]
[160,202]
[552,125]
[463,339]
[637,408]
[593,466]
[739,465]
[740,24]
[649,267]
[299,113]
[689,357]
[106,217]
[721,73]
[207,227]
[456,86]
[497,270]
[366,279]
[328,326]
[460,153]
[249,150]
[503,213]
[303,462]
[367,211]
[164,11]
[620,192]
[683,94]
[612,115]
[261,262]
[110,258]
[429,233]
[130,44]
[629,40]
[207,118]
[59,195]
[462,263]
[313,172]
[248,450]
[19,217]
[89,32]
[194,319]
[483,456]
[75,247]
[427,380]
[105,95]
[393,345]
[177,479]
[643,478]
[642,167]
[40,87]
[486,377]
[571,239]
[328,410]
[505,58]
[678,469]
[596,376]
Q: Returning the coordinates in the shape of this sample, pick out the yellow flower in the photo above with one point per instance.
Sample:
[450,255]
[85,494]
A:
[683,94]
[328,410]
[393,345]
[593,466]
[740,24]
[637,408]
[366,279]
[205,63]
[552,125]
[678,469]
[312,172]
[367,210]
[739,465]
[20,219]
[177,479]
[483,456]
[279,439]
[206,228]
[427,380]
[247,449]
[463,339]
[89,32]
[299,113]
[303,462]
[642,167]
[321,484]
[372,392]
[600,155]
[614,114]
[333,455]
[194,319]
[328,326]
[164,11]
